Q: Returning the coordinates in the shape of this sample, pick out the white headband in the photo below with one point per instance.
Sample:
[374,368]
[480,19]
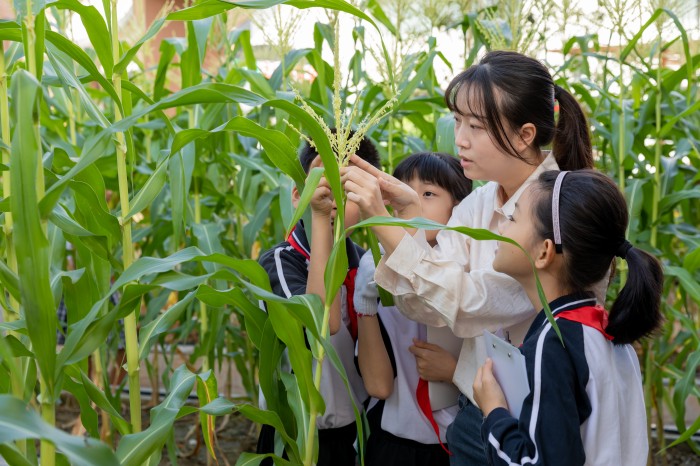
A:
[555,211]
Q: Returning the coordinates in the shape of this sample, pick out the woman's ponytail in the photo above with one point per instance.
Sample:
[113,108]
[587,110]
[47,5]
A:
[572,142]
[636,311]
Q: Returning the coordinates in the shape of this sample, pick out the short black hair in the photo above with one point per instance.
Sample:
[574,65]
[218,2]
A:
[436,168]
[367,151]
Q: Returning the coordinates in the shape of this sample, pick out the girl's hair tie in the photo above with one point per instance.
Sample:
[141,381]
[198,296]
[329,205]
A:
[623,249]
[555,211]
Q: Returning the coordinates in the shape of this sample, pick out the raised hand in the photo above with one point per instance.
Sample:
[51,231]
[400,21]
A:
[382,187]
[322,201]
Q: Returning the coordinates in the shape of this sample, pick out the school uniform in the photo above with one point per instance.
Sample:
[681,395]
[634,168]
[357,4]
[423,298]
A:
[586,402]
[287,266]
[404,430]
[454,284]
[400,432]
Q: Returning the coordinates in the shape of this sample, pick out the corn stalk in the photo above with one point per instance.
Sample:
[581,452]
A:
[131,320]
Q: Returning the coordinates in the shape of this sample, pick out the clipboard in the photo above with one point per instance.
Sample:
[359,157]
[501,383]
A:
[444,394]
[509,370]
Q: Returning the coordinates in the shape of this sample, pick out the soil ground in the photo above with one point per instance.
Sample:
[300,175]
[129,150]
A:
[236,434]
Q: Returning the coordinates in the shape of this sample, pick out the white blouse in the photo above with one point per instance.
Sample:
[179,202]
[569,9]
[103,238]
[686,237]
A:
[454,284]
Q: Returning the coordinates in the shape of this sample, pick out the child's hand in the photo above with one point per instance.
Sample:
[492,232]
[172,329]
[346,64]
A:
[384,187]
[322,201]
[433,362]
[487,392]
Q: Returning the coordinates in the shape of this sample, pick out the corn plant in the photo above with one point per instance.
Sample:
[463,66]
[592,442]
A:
[198,164]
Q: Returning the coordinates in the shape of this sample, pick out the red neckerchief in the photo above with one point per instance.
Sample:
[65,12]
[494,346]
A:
[591,316]
[423,398]
[349,283]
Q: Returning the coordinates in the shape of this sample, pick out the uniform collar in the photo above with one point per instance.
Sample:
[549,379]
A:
[561,304]
[298,234]
[549,163]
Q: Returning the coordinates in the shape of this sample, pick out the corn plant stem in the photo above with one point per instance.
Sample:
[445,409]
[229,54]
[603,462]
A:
[339,235]
[48,414]
[621,154]
[6,180]
[657,157]
[98,379]
[130,321]
[16,378]
[390,146]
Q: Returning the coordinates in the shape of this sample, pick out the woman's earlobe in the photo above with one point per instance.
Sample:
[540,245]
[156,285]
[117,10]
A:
[528,132]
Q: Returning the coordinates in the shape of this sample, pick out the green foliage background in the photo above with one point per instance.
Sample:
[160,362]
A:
[161,183]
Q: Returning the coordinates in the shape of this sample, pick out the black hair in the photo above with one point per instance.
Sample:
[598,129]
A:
[437,168]
[513,88]
[593,218]
[367,151]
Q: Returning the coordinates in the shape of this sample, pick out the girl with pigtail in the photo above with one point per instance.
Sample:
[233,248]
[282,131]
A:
[504,110]
[586,402]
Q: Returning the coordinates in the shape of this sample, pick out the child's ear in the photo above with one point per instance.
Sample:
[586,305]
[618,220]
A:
[545,254]
[295,197]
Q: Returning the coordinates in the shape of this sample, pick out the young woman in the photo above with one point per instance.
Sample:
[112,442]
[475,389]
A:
[393,353]
[586,404]
[504,116]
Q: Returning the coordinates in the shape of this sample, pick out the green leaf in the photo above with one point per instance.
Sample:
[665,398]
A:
[9,280]
[31,244]
[323,146]
[200,94]
[279,148]
[164,321]
[134,449]
[207,392]
[129,55]
[445,135]
[688,282]
[254,459]
[63,220]
[222,406]
[209,8]
[84,60]
[96,28]
[311,184]
[149,191]
[19,421]
[691,262]
[376,10]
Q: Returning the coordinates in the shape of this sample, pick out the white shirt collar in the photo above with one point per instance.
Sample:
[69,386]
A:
[549,163]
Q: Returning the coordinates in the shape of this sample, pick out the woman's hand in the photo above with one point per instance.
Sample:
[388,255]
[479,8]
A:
[487,392]
[402,198]
[433,362]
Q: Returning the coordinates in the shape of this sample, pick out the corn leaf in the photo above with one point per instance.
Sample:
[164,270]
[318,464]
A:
[19,422]
[135,449]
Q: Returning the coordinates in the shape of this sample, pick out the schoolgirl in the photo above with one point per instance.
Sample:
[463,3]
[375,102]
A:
[504,116]
[394,358]
[586,404]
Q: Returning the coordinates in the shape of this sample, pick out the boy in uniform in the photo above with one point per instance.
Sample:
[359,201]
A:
[296,266]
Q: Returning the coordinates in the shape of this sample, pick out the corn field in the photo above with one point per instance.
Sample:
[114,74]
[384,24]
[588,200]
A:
[143,174]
